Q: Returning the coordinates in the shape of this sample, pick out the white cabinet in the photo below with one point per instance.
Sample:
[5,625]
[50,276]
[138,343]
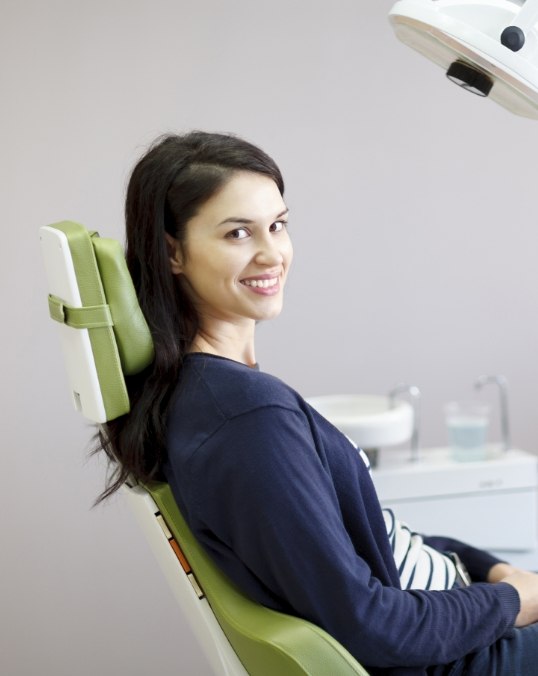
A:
[491,504]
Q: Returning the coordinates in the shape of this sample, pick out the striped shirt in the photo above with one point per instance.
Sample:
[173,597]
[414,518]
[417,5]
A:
[419,566]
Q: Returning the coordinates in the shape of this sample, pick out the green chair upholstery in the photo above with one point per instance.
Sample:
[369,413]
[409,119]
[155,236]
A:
[267,643]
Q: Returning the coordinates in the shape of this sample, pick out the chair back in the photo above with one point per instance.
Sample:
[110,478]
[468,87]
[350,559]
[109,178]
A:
[104,337]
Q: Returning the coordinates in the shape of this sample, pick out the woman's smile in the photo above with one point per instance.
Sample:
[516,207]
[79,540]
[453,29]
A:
[263,284]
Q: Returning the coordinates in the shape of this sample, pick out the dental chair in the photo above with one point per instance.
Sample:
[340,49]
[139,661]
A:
[104,337]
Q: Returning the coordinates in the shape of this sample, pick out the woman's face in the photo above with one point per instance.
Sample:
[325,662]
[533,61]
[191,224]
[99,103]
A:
[237,252]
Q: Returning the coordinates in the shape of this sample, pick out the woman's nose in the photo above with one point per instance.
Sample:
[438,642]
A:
[269,253]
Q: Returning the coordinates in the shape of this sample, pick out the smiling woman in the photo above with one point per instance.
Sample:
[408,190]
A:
[280,499]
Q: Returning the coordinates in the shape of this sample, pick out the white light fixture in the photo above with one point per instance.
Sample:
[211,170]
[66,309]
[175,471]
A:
[488,47]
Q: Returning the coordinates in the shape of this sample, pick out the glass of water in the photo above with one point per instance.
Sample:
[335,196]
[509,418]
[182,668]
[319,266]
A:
[467,426]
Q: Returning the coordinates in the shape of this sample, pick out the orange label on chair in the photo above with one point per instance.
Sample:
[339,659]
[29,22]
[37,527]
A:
[177,550]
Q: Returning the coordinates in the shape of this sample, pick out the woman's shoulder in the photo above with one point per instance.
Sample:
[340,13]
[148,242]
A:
[233,387]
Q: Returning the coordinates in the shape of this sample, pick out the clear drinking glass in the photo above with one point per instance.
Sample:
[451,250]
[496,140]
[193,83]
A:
[467,426]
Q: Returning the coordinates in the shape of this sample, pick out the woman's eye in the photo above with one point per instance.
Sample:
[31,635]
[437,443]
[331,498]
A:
[277,226]
[238,233]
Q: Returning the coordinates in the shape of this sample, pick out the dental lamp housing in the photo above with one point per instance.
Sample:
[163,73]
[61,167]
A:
[488,47]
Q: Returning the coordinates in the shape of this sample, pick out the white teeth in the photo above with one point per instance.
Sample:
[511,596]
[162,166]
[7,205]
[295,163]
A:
[261,283]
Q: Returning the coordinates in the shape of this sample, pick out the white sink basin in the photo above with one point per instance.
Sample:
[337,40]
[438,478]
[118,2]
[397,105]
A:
[367,419]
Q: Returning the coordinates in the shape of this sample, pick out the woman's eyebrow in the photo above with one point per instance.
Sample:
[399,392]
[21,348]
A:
[248,221]
[235,219]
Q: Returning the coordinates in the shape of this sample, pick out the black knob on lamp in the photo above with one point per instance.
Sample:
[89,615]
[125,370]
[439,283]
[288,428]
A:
[513,38]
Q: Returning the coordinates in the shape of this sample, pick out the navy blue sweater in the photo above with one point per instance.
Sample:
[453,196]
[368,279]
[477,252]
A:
[286,507]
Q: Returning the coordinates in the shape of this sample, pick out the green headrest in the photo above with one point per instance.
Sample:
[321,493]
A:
[133,338]
[120,338]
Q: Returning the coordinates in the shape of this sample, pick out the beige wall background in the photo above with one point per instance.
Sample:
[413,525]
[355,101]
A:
[414,222]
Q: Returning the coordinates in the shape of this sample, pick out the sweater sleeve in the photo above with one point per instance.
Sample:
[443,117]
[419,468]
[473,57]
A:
[264,493]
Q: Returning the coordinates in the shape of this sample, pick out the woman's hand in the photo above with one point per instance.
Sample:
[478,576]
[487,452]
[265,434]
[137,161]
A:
[501,570]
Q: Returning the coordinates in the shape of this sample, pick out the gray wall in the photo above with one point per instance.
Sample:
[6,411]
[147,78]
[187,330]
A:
[413,216]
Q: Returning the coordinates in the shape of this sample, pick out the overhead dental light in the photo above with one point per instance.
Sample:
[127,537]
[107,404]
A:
[488,47]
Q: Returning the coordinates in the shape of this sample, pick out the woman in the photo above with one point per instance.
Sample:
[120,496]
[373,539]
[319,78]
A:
[280,499]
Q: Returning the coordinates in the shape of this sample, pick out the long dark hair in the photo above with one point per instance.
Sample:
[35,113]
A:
[167,186]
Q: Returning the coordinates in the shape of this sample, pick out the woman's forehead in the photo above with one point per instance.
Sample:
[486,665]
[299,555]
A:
[245,196]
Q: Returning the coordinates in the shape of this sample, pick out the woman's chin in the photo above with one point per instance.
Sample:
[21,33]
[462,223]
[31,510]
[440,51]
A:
[270,313]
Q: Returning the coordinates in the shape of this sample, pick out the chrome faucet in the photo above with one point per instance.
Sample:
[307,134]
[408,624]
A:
[502,384]
[414,392]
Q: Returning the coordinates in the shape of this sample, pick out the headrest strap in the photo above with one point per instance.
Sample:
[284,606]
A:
[93,317]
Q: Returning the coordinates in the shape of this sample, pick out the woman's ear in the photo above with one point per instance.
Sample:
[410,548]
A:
[174,254]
